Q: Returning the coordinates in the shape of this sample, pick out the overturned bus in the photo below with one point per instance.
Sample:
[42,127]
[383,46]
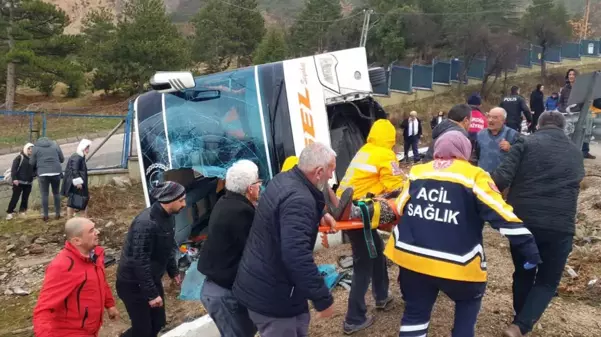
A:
[191,129]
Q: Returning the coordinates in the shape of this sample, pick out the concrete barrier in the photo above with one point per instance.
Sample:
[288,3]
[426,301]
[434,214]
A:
[202,326]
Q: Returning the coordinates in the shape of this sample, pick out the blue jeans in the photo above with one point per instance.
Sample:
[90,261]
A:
[420,292]
[230,317]
[47,182]
[365,271]
[533,289]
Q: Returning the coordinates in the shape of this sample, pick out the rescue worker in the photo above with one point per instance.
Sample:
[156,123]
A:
[374,170]
[438,241]
[516,106]
[478,121]
[289,163]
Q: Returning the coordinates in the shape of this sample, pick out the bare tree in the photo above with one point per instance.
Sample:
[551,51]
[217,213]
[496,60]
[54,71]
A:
[501,51]
[546,25]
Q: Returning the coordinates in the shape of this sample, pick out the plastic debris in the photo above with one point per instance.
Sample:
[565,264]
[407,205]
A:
[571,272]
[192,284]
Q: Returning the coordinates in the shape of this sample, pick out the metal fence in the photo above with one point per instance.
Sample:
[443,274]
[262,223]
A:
[444,72]
[111,135]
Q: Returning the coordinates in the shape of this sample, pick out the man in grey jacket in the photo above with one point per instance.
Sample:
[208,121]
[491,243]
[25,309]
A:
[46,159]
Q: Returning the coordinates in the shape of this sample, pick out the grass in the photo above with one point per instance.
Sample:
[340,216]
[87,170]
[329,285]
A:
[15,130]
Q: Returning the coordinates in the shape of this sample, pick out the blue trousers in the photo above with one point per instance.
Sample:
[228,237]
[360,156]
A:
[420,292]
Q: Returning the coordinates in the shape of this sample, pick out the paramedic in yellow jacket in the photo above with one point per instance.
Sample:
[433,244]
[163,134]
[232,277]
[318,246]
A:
[374,170]
[438,241]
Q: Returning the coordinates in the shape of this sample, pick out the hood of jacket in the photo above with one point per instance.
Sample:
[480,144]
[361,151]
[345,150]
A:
[289,163]
[382,134]
[82,146]
[444,126]
[43,142]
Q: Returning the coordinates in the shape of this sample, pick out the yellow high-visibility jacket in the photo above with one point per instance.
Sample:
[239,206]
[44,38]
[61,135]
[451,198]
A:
[374,169]
[289,163]
[443,207]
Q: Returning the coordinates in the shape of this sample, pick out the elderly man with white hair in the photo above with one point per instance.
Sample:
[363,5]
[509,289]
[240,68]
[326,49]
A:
[229,225]
[277,275]
[412,132]
[493,143]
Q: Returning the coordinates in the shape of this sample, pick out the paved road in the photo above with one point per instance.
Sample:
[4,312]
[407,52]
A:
[108,155]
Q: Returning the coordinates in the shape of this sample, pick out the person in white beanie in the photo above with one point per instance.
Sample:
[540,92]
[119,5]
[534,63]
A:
[21,177]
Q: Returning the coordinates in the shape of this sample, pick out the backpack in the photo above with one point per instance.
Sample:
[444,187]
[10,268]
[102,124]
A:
[8,173]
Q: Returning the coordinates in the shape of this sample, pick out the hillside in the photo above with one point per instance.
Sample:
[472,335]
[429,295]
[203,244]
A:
[183,10]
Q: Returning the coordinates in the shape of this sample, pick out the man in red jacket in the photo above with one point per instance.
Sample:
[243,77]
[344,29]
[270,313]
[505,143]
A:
[75,292]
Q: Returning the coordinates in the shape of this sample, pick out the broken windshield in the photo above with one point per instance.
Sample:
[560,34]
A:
[209,134]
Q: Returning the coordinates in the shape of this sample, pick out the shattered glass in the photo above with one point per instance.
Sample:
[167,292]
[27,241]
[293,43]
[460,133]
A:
[216,123]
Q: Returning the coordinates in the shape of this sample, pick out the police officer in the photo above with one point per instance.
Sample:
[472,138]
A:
[516,106]
[438,241]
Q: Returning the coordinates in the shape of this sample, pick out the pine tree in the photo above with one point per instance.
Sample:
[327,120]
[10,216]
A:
[309,32]
[35,51]
[272,48]
[147,42]
[546,24]
[226,33]
[100,35]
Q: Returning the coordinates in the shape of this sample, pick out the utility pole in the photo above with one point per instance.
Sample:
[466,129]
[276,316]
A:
[367,14]
[587,12]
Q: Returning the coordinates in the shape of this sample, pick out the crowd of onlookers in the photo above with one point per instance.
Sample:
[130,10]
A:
[516,110]
[43,160]
[258,256]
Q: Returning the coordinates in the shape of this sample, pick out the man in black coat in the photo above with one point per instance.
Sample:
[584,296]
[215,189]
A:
[412,132]
[229,225]
[148,252]
[277,274]
[543,173]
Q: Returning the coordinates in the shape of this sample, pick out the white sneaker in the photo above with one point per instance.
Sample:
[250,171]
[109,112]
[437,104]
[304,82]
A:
[9,216]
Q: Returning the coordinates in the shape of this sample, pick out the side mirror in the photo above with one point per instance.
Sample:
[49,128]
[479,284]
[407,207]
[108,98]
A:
[172,81]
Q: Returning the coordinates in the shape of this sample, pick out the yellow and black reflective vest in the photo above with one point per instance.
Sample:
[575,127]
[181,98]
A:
[443,207]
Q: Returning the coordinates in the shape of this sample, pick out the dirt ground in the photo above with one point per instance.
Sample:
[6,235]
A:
[575,312]
[112,208]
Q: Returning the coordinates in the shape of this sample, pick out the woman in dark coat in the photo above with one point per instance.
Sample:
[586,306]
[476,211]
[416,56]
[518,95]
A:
[537,105]
[76,176]
[437,119]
